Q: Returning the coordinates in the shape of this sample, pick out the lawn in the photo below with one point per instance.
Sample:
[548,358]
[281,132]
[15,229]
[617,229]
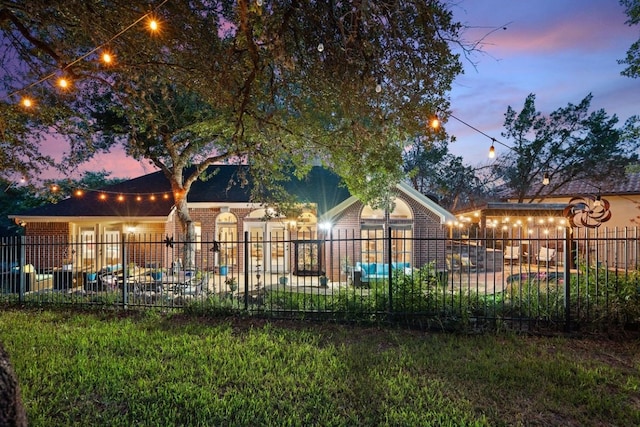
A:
[149,369]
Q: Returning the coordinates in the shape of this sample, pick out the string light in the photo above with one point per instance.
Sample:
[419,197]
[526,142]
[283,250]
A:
[153,25]
[27,102]
[320,47]
[107,58]
[435,122]
[63,83]
[104,195]
[492,150]
[546,179]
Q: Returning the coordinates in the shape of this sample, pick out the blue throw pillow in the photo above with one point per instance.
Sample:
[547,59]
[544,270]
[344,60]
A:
[383,269]
[369,268]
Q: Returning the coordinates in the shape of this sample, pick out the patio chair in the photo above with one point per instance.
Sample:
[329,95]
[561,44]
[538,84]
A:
[511,254]
[460,264]
[546,255]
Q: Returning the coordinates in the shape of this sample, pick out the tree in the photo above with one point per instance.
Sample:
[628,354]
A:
[436,172]
[632,9]
[569,144]
[275,85]
[20,138]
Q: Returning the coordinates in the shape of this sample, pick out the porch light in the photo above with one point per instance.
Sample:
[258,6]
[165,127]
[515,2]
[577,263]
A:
[326,225]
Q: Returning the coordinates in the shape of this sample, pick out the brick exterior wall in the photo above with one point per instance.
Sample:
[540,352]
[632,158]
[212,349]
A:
[341,246]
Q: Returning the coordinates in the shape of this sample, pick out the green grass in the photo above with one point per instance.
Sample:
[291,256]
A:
[149,369]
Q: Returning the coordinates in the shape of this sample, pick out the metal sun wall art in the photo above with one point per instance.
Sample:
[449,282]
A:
[587,211]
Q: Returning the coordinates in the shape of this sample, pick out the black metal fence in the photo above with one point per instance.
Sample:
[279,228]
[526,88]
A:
[563,280]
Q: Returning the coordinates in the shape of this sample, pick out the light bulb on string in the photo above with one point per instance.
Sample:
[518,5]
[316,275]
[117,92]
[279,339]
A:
[320,47]
[492,149]
[434,123]
[259,2]
[598,201]
[120,198]
[103,196]
[26,102]
[63,83]
[545,179]
[154,25]
[107,58]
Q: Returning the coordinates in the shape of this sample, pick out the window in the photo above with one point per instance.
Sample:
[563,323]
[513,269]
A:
[227,236]
[197,228]
[372,232]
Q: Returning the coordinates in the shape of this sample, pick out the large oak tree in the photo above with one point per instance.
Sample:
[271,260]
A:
[275,84]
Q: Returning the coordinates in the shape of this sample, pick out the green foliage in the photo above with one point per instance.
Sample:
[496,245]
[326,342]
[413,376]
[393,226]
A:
[569,144]
[234,81]
[436,172]
[632,60]
[125,368]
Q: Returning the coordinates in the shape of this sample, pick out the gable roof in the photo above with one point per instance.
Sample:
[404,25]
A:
[444,215]
[320,186]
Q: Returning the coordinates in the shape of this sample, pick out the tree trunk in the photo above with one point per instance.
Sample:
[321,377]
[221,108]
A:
[188,229]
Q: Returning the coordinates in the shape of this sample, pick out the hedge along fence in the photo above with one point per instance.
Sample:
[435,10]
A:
[483,291]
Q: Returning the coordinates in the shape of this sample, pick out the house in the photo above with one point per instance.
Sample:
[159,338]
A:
[124,223]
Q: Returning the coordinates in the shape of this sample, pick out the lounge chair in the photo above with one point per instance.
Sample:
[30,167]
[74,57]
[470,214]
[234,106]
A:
[546,255]
[460,263]
[511,254]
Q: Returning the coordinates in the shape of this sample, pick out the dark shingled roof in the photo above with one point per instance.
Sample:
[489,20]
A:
[321,186]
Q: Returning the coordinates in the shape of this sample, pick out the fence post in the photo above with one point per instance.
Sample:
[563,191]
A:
[247,254]
[389,255]
[567,277]
[125,271]
[22,266]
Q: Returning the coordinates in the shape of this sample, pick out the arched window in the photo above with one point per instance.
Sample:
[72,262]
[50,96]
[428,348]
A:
[372,231]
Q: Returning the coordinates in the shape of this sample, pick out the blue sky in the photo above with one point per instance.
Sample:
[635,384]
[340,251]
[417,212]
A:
[560,50]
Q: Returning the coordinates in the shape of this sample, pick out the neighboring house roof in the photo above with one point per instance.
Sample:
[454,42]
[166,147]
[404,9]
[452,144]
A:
[630,184]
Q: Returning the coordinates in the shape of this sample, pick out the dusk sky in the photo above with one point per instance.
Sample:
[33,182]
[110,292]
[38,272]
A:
[561,50]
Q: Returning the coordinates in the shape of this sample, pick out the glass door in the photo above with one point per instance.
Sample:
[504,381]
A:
[277,249]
